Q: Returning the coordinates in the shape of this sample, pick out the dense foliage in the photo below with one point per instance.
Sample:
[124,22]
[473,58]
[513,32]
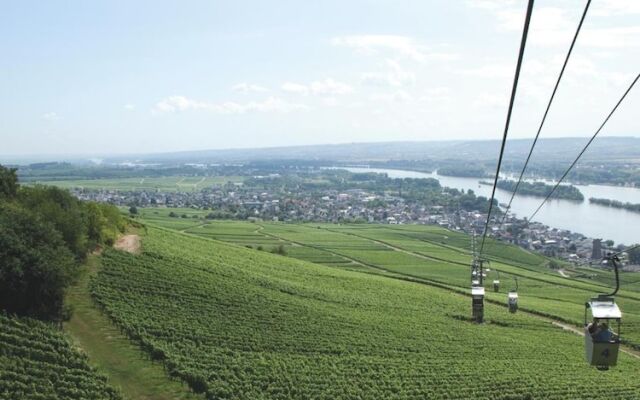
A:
[616,204]
[44,234]
[37,362]
[540,189]
[236,323]
[466,170]
[35,264]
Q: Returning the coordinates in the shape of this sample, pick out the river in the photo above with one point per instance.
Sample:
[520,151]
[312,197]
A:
[591,220]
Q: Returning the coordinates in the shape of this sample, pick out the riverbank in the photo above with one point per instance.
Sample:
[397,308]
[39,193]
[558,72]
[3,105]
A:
[591,220]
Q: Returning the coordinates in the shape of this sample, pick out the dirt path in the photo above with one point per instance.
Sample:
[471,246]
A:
[578,331]
[562,273]
[127,366]
[129,243]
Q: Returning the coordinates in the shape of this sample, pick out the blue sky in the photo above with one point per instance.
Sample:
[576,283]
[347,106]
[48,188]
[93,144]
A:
[106,77]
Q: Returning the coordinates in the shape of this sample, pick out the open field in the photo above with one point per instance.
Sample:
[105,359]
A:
[168,183]
[237,323]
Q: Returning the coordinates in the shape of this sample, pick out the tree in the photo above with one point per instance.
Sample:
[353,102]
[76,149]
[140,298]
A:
[8,182]
[35,265]
[279,250]
[61,209]
[553,264]
[133,210]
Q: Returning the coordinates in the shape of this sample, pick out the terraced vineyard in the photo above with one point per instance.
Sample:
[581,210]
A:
[441,256]
[38,362]
[236,323]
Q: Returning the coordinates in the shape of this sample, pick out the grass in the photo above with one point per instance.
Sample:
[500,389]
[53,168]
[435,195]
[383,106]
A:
[128,367]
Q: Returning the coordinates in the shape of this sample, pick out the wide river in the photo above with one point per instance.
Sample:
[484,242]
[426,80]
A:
[592,220]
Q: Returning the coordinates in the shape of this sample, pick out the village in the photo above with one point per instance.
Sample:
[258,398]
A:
[239,201]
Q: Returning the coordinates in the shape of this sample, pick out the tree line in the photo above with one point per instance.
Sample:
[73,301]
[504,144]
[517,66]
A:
[616,204]
[45,234]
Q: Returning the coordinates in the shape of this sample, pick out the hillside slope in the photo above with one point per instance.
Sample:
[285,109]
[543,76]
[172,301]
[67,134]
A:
[38,362]
[241,324]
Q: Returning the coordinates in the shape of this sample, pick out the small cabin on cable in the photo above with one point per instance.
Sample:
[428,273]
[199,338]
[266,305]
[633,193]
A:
[512,301]
[477,303]
[602,334]
[496,285]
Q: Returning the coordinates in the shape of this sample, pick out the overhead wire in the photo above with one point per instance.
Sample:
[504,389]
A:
[584,149]
[523,43]
[546,112]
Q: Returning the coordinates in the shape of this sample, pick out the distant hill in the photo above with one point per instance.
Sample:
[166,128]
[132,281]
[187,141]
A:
[605,148]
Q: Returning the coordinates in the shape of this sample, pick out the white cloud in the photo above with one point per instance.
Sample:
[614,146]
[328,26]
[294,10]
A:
[326,87]
[489,4]
[245,87]
[555,26]
[607,8]
[295,88]
[330,87]
[396,75]
[129,107]
[402,45]
[492,70]
[618,37]
[50,116]
[398,96]
[491,100]
[174,104]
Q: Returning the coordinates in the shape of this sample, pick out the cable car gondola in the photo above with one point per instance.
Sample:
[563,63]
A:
[496,282]
[512,298]
[601,340]
[477,303]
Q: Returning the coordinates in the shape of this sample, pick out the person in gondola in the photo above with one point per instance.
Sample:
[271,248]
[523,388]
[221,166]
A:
[600,332]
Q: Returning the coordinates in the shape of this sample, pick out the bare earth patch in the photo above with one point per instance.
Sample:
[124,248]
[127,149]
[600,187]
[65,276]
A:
[129,243]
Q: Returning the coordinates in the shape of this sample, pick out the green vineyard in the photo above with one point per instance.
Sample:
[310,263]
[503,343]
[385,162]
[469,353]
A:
[237,323]
[37,362]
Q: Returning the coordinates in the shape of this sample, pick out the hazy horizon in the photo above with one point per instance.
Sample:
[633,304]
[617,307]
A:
[28,158]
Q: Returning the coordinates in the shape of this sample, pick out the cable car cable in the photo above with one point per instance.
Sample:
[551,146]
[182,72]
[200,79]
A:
[585,148]
[626,250]
[544,117]
[523,43]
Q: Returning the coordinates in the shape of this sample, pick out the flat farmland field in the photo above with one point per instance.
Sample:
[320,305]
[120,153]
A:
[169,183]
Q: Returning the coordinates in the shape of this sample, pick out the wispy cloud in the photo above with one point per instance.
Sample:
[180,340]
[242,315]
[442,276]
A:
[607,8]
[129,107]
[297,88]
[395,75]
[400,45]
[245,87]
[50,116]
[326,87]
[175,104]
[554,26]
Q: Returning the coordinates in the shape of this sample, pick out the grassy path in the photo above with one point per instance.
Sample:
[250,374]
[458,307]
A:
[125,364]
